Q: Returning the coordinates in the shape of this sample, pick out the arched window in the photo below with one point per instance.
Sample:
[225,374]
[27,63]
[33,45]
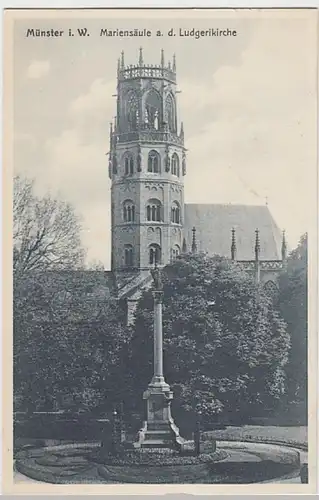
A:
[154,254]
[175,164]
[152,110]
[132,112]
[128,211]
[154,210]
[176,213]
[154,164]
[271,288]
[128,256]
[128,164]
[175,252]
[170,115]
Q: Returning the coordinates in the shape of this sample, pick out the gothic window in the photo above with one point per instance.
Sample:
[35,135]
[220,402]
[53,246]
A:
[170,113]
[154,162]
[154,254]
[128,164]
[132,111]
[114,164]
[271,288]
[175,252]
[176,213]
[128,211]
[152,113]
[175,164]
[154,210]
[128,256]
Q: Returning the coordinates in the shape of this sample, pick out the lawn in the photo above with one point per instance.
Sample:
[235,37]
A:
[297,436]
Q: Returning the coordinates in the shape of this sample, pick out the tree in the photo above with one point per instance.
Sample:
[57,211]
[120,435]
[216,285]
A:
[225,345]
[69,335]
[46,231]
[96,265]
[293,306]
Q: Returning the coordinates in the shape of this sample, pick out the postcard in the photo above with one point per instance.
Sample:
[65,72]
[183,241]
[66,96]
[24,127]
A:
[160,231]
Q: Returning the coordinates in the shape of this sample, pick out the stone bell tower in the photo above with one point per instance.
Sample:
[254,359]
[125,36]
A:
[146,165]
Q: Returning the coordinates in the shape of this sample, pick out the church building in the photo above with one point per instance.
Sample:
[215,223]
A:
[151,221]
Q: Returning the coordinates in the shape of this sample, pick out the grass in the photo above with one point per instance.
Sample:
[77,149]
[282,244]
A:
[147,459]
[294,436]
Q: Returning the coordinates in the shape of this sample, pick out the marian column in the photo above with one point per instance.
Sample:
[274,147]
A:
[158,338]
[159,429]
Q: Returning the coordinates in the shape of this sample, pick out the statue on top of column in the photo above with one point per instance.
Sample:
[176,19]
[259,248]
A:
[156,275]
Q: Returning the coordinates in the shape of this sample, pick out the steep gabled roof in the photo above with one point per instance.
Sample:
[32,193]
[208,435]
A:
[214,223]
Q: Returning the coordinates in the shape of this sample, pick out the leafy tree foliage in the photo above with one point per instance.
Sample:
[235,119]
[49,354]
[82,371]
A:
[225,345]
[68,331]
[68,338]
[46,231]
[293,305]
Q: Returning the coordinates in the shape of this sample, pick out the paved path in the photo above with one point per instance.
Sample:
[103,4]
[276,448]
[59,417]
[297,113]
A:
[19,478]
[240,456]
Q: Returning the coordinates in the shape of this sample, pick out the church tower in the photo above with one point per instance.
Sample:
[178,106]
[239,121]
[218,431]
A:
[146,166]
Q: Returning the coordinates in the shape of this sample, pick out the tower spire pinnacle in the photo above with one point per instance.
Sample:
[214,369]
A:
[257,245]
[284,247]
[233,245]
[140,61]
[162,58]
[111,137]
[174,63]
[184,247]
[182,131]
[122,59]
[257,254]
[194,244]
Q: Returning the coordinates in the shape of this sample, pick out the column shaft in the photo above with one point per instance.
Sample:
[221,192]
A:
[158,339]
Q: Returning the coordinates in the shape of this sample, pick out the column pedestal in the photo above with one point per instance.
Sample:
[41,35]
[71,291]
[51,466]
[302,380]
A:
[159,429]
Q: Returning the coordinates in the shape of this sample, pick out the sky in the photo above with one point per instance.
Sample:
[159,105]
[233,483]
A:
[248,104]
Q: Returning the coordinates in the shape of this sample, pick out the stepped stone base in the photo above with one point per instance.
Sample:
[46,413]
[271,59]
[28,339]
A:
[159,429]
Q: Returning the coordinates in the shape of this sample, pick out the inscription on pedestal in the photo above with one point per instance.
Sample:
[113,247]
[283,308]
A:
[156,408]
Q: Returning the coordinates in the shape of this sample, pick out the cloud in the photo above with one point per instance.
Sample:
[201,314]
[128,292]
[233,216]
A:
[38,69]
[97,99]
[250,131]
[257,134]
[77,165]
[25,152]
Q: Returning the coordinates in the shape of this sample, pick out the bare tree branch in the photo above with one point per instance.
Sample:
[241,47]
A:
[46,231]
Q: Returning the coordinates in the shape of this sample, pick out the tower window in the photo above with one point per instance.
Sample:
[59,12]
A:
[128,211]
[132,111]
[152,113]
[170,113]
[154,211]
[128,256]
[175,213]
[175,252]
[153,162]
[175,164]
[128,164]
[271,288]
[154,254]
